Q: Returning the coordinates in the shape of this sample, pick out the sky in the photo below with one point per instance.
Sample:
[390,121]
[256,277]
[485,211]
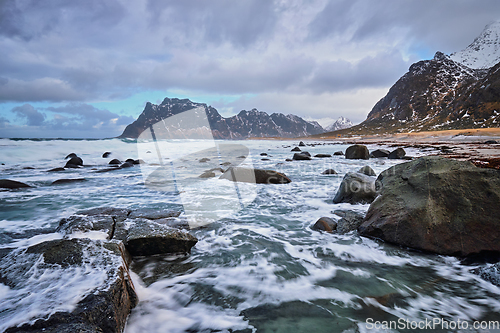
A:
[86,68]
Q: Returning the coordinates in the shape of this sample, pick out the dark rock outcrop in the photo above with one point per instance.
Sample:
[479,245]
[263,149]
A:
[106,154]
[301,157]
[258,176]
[367,170]
[74,162]
[70,155]
[68,181]
[357,152]
[115,161]
[356,188]
[322,155]
[12,184]
[103,307]
[338,153]
[350,221]
[438,205]
[296,149]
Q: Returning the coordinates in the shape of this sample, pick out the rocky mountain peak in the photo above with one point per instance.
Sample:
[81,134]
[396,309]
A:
[484,51]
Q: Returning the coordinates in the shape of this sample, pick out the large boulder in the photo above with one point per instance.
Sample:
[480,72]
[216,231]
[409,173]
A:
[397,154]
[74,162]
[357,152]
[439,205]
[356,188]
[73,285]
[379,153]
[258,176]
[301,157]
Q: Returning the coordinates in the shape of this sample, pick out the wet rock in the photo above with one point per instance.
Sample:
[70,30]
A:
[329,172]
[322,155]
[68,181]
[356,188]
[350,220]
[357,152]
[207,174]
[263,154]
[115,161]
[301,157]
[139,161]
[258,176]
[204,160]
[153,213]
[56,170]
[438,205]
[265,159]
[85,223]
[74,162]
[296,149]
[325,224]
[366,170]
[226,163]
[12,184]
[338,153]
[146,237]
[127,165]
[397,154]
[106,154]
[489,272]
[76,268]
[28,168]
[379,153]
[491,142]
[70,155]
[302,144]
[288,160]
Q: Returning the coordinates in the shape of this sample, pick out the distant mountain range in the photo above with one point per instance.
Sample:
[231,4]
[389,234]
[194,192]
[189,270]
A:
[246,124]
[448,92]
[339,124]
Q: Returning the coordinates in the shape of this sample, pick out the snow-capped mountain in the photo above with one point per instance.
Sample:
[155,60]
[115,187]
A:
[339,124]
[448,92]
[246,124]
[484,51]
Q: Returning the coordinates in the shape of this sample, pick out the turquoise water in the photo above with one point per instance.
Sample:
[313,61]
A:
[257,267]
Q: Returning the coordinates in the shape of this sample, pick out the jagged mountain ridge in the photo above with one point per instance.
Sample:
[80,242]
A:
[339,124]
[246,124]
[441,94]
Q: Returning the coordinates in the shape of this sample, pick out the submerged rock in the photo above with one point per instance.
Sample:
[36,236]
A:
[56,170]
[12,184]
[68,181]
[489,272]
[358,152]
[89,289]
[356,188]
[438,205]
[258,176]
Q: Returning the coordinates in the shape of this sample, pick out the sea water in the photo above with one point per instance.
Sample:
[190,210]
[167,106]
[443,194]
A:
[257,266]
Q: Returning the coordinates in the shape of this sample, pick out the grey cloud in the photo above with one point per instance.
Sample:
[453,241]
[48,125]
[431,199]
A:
[28,112]
[3,122]
[44,89]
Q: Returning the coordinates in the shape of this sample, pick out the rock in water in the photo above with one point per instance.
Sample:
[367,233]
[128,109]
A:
[357,152]
[79,285]
[301,157]
[397,154]
[106,154]
[350,220]
[439,205]
[114,161]
[258,176]
[70,155]
[322,155]
[68,181]
[338,153]
[366,170]
[329,172]
[356,188]
[74,162]
[296,149]
[12,184]
[302,144]
[380,153]
[325,224]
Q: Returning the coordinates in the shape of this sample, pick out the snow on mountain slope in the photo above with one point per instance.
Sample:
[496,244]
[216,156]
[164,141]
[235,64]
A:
[340,123]
[484,51]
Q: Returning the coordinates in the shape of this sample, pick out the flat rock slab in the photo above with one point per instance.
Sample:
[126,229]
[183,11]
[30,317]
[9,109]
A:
[73,285]
[153,214]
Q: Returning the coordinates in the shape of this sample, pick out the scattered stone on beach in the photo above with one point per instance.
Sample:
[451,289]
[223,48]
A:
[338,153]
[68,181]
[329,172]
[70,155]
[207,174]
[325,224]
[103,306]
[367,170]
[379,153]
[357,152]
[349,221]
[356,188]
[56,170]
[322,155]
[296,149]
[106,154]
[74,162]
[12,184]
[438,205]
[301,157]
[397,154]
[115,161]
[491,142]
[204,160]
[302,144]
[258,176]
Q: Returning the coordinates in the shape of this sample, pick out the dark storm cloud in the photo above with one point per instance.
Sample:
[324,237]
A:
[240,23]
[30,114]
